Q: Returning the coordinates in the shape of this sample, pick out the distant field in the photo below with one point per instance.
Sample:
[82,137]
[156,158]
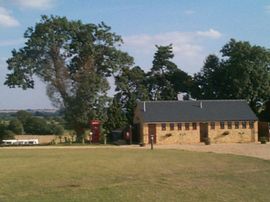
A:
[130,175]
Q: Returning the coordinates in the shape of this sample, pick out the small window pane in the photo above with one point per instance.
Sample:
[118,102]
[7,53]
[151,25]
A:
[222,125]
[236,124]
[171,126]
[163,126]
[186,126]
[251,124]
[179,125]
[194,126]
[244,124]
[212,124]
[229,125]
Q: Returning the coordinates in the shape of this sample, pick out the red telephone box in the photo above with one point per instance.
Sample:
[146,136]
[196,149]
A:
[95,128]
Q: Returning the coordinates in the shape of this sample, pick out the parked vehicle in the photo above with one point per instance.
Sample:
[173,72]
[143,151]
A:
[20,142]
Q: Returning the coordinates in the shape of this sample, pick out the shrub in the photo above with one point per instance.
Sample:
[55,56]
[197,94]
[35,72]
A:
[39,126]
[16,126]
[23,116]
[7,135]
[207,141]
[263,140]
[57,129]
[142,144]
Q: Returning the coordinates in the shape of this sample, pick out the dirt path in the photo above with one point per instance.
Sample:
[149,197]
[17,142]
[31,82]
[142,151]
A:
[252,149]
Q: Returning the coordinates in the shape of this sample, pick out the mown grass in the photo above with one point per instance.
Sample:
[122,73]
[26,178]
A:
[130,175]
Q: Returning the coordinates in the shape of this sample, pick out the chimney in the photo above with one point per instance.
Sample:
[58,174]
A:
[144,107]
[201,104]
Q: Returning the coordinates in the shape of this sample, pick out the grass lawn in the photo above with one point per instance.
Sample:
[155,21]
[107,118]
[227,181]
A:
[130,175]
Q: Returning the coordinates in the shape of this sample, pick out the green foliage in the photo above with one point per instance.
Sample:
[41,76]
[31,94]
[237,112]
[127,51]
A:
[37,126]
[116,118]
[23,116]
[57,130]
[5,133]
[208,79]
[241,73]
[8,134]
[16,126]
[263,140]
[165,80]
[265,113]
[131,86]
[74,60]
[160,86]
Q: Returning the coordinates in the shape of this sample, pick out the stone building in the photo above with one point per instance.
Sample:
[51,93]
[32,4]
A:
[186,122]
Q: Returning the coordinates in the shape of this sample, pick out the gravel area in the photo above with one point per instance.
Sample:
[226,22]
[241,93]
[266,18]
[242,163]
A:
[251,149]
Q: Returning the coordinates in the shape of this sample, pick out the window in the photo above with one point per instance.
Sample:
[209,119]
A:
[194,126]
[179,125]
[236,124]
[171,126]
[163,126]
[222,125]
[186,126]
[244,124]
[251,124]
[229,125]
[212,125]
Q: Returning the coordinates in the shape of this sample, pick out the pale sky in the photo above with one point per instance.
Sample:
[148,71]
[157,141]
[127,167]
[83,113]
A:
[195,28]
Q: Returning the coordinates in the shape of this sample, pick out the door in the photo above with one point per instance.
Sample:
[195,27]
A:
[203,131]
[263,130]
[152,131]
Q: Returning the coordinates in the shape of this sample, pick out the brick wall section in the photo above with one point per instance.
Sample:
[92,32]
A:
[233,135]
[173,136]
[191,136]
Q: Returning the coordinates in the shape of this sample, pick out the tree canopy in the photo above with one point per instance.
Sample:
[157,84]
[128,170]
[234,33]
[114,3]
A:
[241,73]
[73,59]
[166,80]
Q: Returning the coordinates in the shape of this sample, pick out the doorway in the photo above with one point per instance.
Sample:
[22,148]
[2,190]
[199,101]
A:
[203,131]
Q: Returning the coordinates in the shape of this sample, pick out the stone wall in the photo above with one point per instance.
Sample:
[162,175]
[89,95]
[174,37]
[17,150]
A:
[233,135]
[173,136]
[191,136]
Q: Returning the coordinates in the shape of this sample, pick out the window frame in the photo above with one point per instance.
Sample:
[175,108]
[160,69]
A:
[171,126]
[187,125]
[251,124]
[244,124]
[194,126]
[179,126]
[163,126]
[236,124]
[229,124]
[212,125]
[222,124]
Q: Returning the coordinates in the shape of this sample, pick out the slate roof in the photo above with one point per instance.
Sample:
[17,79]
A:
[191,111]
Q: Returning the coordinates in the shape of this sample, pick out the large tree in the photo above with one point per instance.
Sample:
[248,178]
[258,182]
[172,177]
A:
[241,73]
[166,80]
[131,86]
[209,80]
[74,60]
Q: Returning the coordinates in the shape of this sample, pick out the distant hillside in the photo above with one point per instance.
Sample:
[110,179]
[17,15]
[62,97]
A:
[28,110]
[9,113]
